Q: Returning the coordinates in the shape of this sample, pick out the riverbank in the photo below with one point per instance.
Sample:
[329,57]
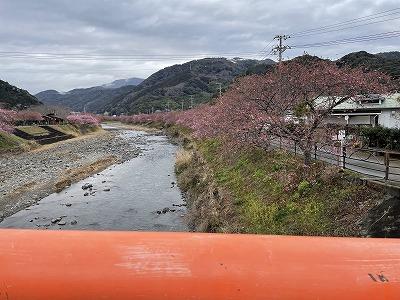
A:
[12,143]
[30,176]
[272,192]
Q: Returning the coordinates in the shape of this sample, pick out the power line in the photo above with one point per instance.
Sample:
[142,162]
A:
[262,54]
[371,37]
[351,21]
[119,57]
[342,28]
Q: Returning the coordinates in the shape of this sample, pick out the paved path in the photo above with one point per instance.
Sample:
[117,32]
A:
[364,162]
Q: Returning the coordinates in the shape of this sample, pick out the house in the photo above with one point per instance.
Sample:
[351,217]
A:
[372,110]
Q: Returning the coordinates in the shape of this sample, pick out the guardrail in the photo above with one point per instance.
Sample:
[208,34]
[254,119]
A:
[176,266]
[379,164]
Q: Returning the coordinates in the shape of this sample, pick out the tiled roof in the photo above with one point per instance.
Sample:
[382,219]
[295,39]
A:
[388,102]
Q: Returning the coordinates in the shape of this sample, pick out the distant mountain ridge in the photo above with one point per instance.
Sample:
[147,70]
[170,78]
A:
[14,97]
[394,55]
[122,82]
[388,62]
[190,83]
[91,99]
[174,86]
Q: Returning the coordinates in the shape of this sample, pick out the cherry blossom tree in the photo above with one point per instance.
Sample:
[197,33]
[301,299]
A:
[7,119]
[293,100]
[83,119]
[28,115]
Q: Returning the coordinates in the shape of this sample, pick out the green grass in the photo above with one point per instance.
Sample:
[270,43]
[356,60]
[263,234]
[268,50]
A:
[67,129]
[33,130]
[10,142]
[276,194]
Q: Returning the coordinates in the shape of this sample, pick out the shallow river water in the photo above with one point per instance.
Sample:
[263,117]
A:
[140,194]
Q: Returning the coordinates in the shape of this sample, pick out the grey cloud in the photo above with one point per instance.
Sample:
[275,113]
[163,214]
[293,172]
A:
[164,27]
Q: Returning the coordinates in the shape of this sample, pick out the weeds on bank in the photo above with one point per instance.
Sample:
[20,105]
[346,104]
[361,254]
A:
[276,194]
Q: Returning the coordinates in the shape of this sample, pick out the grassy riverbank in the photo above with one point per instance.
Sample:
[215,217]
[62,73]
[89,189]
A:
[270,192]
[12,143]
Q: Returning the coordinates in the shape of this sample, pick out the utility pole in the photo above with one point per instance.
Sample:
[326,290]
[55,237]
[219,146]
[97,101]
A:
[220,88]
[191,101]
[280,48]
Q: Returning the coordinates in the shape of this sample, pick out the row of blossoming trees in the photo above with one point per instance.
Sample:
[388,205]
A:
[8,119]
[291,102]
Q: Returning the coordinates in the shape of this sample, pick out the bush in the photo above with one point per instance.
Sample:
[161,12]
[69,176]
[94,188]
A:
[83,119]
[381,137]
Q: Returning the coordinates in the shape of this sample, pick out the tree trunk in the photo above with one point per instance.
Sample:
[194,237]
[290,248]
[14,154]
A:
[307,152]
[307,157]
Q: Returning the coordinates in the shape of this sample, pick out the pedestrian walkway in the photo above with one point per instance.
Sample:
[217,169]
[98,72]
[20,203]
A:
[376,164]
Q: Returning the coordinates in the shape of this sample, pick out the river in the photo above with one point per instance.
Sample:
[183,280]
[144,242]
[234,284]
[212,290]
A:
[140,194]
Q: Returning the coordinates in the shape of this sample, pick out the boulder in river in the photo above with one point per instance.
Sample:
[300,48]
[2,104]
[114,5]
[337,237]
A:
[56,220]
[165,210]
[62,223]
[87,186]
[107,190]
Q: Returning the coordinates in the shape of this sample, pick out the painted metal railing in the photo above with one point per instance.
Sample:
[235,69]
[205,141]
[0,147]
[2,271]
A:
[378,164]
[175,266]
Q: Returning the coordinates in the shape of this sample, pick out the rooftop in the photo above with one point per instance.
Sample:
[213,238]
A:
[386,102]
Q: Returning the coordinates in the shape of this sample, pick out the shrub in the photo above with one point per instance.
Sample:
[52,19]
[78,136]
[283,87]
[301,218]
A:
[83,119]
[303,187]
[381,137]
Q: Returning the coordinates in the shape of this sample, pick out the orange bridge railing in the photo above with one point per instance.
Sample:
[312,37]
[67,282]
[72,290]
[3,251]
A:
[134,265]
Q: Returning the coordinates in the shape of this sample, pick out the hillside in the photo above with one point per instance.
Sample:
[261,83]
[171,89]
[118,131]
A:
[122,82]
[390,55]
[171,86]
[92,99]
[388,62]
[13,97]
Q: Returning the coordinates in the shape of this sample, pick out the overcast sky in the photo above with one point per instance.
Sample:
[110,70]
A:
[65,44]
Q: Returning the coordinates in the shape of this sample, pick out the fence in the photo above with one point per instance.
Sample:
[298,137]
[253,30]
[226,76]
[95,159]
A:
[379,164]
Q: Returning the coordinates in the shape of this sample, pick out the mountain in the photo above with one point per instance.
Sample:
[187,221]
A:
[175,85]
[13,97]
[92,99]
[388,62]
[122,82]
[394,55]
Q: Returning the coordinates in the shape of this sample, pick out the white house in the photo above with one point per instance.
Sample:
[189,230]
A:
[372,110]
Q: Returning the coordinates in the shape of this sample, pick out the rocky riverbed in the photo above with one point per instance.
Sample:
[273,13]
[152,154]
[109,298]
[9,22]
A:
[26,178]
[140,193]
